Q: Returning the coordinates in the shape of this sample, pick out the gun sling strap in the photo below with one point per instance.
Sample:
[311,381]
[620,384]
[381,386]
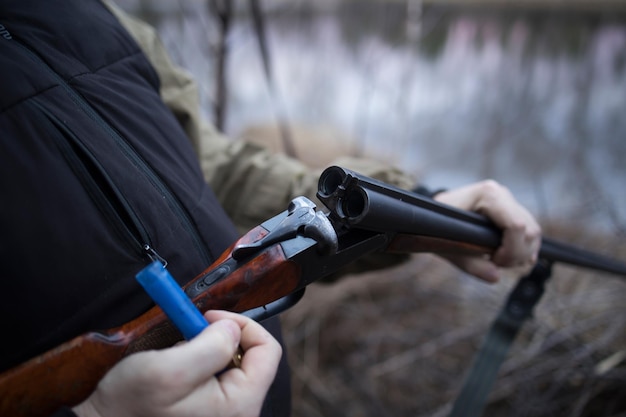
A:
[518,308]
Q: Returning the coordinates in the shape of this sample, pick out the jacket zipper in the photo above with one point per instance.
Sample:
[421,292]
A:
[100,187]
[172,201]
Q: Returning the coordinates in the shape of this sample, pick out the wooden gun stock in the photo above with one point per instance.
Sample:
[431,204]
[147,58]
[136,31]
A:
[67,374]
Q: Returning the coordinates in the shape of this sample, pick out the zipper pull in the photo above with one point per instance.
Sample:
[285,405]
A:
[153,255]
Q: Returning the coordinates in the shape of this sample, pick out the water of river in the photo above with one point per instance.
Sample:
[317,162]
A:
[536,100]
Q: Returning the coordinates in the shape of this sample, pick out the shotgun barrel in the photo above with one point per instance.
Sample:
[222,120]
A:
[357,201]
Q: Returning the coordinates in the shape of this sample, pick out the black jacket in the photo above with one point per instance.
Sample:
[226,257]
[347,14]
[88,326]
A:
[93,167]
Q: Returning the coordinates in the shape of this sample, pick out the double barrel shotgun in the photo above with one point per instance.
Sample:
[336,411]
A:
[267,270]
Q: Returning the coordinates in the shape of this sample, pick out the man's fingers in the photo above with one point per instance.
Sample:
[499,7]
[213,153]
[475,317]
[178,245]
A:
[521,236]
[520,245]
[252,333]
[207,354]
[521,233]
[261,351]
[240,389]
[478,267]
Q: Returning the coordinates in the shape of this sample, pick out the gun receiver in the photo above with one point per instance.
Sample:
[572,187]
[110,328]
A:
[267,270]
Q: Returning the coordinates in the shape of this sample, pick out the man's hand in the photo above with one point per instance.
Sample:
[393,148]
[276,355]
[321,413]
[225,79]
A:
[521,236]
[187,380]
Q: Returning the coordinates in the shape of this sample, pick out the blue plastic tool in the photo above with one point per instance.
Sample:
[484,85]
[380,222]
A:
[165,291]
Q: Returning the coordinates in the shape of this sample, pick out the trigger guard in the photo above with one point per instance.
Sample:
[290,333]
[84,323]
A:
[276,307]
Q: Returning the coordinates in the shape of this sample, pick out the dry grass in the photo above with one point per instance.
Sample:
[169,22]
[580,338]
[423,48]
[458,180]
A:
[399,342]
